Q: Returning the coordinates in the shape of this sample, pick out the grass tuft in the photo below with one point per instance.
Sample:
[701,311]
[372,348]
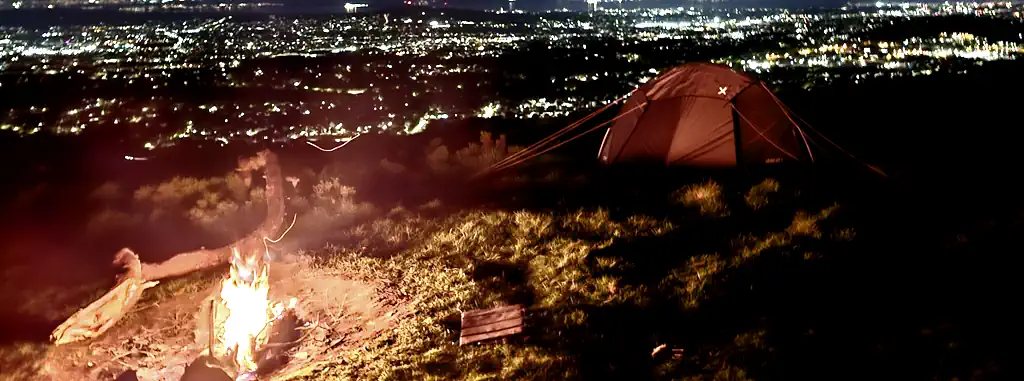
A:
[758,196]
[707,197]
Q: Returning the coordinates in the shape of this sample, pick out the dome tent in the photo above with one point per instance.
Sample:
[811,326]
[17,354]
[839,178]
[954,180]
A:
[704,115]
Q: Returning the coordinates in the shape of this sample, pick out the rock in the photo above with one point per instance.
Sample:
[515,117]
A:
[128,376]
[205,368]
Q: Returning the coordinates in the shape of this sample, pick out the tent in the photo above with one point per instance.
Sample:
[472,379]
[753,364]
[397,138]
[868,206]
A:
[704,115]
[696,115]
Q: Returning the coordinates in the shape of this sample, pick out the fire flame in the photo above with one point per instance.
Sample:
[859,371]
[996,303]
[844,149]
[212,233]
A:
[248,307]
[250,312]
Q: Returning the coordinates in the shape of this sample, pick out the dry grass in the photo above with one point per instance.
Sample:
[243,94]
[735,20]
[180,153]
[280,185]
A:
[19,360]
[169,328]
[555,262]
[706,197]
[758,196]
[479,259]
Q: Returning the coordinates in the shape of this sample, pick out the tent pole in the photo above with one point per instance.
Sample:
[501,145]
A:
[736,132]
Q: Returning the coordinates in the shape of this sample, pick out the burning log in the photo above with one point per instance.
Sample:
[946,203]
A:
[98,317]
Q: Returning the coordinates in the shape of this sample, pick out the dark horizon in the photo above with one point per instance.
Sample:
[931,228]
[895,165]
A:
[114,14]
[525,5]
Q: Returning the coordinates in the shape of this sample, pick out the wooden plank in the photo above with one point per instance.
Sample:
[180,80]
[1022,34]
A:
[473,321]
[490,335]
[491,310]
[491,323]
[494,326]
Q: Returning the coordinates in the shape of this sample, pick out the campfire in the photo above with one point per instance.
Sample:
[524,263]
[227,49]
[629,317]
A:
[247,326]
[245,320]
[242,317]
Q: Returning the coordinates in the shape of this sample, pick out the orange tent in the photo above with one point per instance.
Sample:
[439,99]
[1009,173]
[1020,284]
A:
[704,115]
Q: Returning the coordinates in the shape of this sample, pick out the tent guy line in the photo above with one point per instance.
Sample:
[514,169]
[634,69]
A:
[535,146]
[837,146]
[752,127]
[517,162]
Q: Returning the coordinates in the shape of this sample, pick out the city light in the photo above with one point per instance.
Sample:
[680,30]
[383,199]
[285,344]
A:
[416,69]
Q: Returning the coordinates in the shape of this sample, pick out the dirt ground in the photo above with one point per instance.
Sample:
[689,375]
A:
[336,314]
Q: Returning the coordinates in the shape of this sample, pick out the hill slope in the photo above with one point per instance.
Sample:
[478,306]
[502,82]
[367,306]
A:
[737,278]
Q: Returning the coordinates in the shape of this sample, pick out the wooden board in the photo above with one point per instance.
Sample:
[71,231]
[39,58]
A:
[480,325]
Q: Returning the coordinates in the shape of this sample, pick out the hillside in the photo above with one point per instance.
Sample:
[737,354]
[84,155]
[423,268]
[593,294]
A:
[822,273]
[732,276]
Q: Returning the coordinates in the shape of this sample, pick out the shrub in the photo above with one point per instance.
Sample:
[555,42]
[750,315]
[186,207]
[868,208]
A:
[236,187]
[349,173]
[107,192]
[331,198]
[110,219]
[331,205]
[175,191]
[437,157]
[472,158]
[391,167]
[224,205]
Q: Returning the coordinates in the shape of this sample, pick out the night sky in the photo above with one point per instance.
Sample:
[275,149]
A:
[573,4]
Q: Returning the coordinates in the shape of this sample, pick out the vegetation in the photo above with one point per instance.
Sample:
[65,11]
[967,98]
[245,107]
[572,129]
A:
[719,279]
[588,297]
[570,267]
[472,158]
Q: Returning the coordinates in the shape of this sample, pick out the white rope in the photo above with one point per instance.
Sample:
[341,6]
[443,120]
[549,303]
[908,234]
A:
[335,148]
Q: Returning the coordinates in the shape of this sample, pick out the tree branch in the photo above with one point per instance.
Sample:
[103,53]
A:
[102,314]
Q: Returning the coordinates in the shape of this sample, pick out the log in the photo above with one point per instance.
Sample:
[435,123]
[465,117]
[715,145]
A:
[98,317]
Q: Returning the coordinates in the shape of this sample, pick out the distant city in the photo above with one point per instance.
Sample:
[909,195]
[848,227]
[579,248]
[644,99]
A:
[228,78]
[525,5]
[532,5]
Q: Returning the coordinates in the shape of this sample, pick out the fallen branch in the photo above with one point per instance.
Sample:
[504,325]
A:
[187,262]
[98,317]
[102,314]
